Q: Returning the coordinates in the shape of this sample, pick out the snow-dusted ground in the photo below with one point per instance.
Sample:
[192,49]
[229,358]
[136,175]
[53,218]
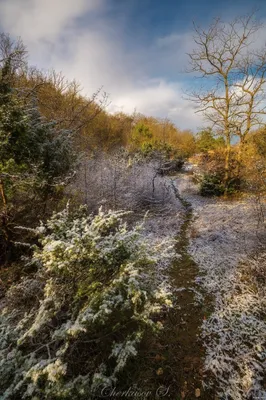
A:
[224,239]
[161,226]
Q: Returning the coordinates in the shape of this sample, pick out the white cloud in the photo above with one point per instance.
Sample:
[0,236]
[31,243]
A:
[160,98]
[38,20]
[44,25]
[95,61]
[175,41]
[96,55]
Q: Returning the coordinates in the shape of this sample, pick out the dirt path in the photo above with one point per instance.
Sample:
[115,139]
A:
[173,362]
[183,327]
[209,324]
[227,245]
[177,358]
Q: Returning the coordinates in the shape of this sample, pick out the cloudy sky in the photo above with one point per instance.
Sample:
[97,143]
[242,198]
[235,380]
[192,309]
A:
[135,49]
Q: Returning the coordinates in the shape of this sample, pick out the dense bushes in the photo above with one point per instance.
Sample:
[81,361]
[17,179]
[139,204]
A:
[73,325]
[44,123]
[94,298]
[149,135]
[36,159]
[123,181]
[211,177]
[206,141]
[254,160]
[247,165]
[211,185]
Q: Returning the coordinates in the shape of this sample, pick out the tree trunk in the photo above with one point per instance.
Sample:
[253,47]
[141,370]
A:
[240,156]
[3,195]
[227,165]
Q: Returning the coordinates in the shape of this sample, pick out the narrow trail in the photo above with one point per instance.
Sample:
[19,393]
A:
[175,359]
[213,237]
[182,329]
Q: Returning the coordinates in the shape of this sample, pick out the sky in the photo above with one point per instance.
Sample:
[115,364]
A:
[135,49]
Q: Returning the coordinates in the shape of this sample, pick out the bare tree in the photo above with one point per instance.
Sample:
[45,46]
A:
[12,51]
[232,98]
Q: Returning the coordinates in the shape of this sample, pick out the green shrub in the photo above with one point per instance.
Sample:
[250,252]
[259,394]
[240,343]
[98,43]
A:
[211,185]
[96,297]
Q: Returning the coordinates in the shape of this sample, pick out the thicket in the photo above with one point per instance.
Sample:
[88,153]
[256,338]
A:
[47,128]
[36,160]
[80,299]
[247,175]
[70,329]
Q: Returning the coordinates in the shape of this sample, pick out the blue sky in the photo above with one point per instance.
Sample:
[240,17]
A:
[135,49]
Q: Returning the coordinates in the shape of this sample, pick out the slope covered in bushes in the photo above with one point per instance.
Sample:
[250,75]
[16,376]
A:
[73,326]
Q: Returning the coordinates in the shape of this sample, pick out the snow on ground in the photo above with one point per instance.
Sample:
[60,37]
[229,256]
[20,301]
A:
[165,221]
[161,226]
[224,235]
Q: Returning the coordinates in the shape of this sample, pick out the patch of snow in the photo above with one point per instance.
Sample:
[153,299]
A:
[223,236]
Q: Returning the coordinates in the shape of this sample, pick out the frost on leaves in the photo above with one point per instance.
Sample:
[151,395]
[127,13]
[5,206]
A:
[99,299]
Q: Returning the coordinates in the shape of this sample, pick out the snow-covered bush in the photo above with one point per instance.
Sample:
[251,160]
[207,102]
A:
[99,299]
[37,160]
[121,181]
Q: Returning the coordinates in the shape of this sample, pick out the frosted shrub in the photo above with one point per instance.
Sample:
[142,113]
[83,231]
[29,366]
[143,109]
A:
[99,299]
[121,181]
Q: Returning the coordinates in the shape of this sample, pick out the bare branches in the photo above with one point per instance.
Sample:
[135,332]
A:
[12,51]
[235,76]
[234,101]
